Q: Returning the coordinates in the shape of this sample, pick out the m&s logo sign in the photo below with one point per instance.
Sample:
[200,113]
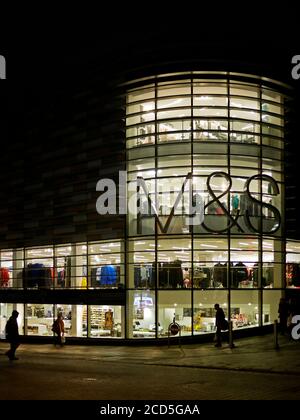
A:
[2,67]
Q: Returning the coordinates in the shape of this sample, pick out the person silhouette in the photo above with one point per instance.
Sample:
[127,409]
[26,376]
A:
[59,329]
[12,335]
[220,318]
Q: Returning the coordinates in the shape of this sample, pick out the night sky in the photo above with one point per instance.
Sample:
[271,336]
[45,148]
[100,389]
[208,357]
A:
[52,57]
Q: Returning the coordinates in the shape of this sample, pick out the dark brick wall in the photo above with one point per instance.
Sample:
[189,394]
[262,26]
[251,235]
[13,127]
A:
[57,151]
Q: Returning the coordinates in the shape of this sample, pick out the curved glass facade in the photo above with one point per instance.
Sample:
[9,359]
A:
[217,144]
[205,222]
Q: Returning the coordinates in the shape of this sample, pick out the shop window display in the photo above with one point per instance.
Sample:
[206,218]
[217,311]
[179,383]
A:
[39,319]
[105,321]
[244,309]
[6,269]
[204,312]
[5,313]
[271,299]
[105,266]
[292,269]
[141,314]
[174,306]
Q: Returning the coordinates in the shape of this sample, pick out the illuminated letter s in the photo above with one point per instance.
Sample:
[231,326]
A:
[274,210]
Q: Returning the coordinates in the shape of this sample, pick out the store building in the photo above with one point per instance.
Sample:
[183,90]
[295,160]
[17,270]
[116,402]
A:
[215,140]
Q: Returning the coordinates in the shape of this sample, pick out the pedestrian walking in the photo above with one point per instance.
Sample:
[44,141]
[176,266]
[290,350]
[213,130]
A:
[12,335]
[59,330]
[221,324]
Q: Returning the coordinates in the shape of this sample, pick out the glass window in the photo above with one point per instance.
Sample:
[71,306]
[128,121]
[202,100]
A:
[204,316]
[39,268]
[271,107]
[140,107]
[244,309]
[141,314]
[244,161]
[140,164]
[174,306]
[271,299]
[269,166]
[7,273]
[174,161]
[272,142]
[272,119]
[205,88]
[238,102]
[246,115]
[105,264]
[141,131]
[292,271]
[271,153]
[140,141]
[210,148]
[169,137]
[174,263]
[70,270]
[64,266]
[210,112]
[209,162]
[141,94]
[270,130]
[5,313]
[244,150]
[17,265]
[68,319]
[140,118]
[205,100]
[173,89]
[210,263]
[106,321]
[244,126]
[75,319]
[166,150]
[141,264]
[210,130]
[273,270]
[143,152]
[39,319]
[201,124]
[244,90]
[176,125]
[174,102]
[39,253]
[244,137]
[270,95]
[244,263]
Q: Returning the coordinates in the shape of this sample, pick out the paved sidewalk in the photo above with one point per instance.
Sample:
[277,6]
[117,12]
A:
[255,354]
